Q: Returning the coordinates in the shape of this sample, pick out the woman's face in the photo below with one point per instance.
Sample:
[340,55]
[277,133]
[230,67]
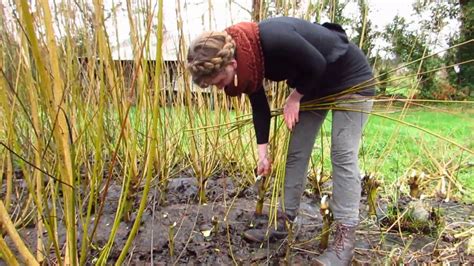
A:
[224,77]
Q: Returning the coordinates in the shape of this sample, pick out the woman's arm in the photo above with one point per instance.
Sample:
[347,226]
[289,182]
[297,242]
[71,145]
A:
[261,121]
[261,115]
[292,108]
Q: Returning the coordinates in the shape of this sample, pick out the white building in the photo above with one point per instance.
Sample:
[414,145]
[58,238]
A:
[196,16]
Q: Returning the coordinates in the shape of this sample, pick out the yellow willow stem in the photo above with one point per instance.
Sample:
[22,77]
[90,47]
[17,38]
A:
[421,101]
[195,157]
[8,111]
[37,176]
[136,224]
[135,96]
[96,177]
[7,254]
[171,239]
[104,254]
[2,166]
[137,50]
[326,229]
[97,123]
[39,187]
[278,191]
[55,108]
[7,224]
[151,152]
[85,246]
[372,196]
[261,195]
[107,67]
[364,23]
[62,136]
[3,99]
[109,177]
[9,180]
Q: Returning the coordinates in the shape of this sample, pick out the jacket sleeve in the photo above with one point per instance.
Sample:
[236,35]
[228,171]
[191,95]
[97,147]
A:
[299,52]
[261,115]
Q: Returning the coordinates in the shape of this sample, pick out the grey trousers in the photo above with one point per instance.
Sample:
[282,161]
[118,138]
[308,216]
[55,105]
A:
[345,138]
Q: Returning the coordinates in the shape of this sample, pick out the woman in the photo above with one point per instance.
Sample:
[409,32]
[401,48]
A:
[317,61]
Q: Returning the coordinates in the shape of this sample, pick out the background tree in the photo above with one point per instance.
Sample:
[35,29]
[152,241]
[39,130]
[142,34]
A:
[466,52]
[334,9]
[256,14]
[409,45]
[434,17]
[364,34]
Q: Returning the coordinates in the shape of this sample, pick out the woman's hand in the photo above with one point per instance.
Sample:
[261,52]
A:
[292,108]
[264,165]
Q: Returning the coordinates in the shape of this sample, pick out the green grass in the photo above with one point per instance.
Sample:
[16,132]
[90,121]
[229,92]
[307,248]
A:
[392,149]
[389,148]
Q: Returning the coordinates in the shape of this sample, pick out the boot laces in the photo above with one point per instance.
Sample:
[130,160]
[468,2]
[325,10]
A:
[341,234]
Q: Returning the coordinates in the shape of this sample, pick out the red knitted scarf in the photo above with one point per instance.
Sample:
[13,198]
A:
[249,56]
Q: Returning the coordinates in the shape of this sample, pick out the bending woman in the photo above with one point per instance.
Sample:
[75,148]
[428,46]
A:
[317,61]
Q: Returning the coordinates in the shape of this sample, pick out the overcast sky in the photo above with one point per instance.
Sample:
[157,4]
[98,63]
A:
[223,14]
[195,14]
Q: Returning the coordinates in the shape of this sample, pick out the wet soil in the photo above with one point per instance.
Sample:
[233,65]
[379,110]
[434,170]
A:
[212,234]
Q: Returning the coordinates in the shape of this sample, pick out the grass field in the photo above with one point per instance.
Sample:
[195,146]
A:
[394,148]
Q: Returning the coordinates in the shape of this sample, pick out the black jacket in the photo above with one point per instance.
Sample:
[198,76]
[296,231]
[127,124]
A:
[316,60]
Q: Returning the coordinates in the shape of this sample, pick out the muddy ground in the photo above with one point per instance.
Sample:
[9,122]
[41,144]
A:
[225,245]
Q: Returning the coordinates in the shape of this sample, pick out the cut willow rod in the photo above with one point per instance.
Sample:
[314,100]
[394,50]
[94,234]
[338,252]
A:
[370,82]
[381,99]
[310,108]
[416,127]
[328,101]
[402,77]
[417,73]
[243,121]
[431,55]
[439,110]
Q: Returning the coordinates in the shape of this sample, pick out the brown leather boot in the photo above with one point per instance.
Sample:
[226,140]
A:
[342,249]
[265,233]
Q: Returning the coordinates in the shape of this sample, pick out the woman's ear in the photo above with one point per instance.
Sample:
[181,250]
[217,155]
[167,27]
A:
[233,62]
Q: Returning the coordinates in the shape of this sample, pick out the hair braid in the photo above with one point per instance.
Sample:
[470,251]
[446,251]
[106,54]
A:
[209,53]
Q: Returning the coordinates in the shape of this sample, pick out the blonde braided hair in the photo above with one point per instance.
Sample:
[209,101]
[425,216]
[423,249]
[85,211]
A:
[208,54]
